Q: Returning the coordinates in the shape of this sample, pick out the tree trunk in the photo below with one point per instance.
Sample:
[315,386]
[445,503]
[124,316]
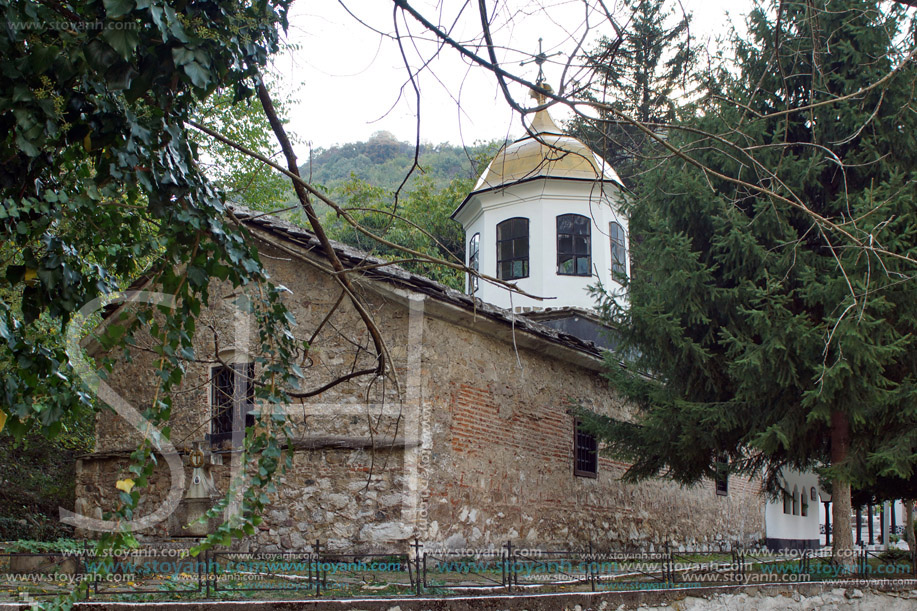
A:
[842,551]
[909,523]
[869,528]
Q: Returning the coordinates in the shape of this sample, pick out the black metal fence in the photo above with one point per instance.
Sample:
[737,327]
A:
[421,571]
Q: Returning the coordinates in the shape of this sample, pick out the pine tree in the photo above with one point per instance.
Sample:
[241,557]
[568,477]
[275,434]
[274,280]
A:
[640,75]
[776,301]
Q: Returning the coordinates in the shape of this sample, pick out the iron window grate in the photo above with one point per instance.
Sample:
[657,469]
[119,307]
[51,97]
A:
[585,452]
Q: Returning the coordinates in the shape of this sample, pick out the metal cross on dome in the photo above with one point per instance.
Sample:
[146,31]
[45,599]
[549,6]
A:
[539,60]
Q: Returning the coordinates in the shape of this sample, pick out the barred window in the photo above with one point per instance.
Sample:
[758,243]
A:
[722,475]
[585,454]
[474,261]
[574,248]
[795,500]
[232,400]
[618,250]
[513,249]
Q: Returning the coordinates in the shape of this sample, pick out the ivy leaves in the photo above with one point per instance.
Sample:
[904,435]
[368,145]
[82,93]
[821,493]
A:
[118,8]
[100,183]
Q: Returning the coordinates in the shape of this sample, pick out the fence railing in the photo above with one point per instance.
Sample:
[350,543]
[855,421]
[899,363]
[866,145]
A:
[336,574]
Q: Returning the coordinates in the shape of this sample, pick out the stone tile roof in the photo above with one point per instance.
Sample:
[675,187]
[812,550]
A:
[395,275]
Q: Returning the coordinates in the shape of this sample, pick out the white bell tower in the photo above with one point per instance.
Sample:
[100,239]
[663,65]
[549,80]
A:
[545,216]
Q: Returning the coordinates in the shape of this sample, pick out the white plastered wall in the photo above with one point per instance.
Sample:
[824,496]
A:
[789,527]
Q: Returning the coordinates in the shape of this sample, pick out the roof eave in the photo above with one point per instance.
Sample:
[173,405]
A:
[305,245]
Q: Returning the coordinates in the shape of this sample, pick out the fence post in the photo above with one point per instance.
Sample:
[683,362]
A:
[504,569]
[310,563]
[673,575]
[85,565]
[665,564]
[740,558]
[209,568]
[740,566]
[732,561]
[318,568]
[589,567]
[417,547]
[862,560]
[511,573]
[914,561]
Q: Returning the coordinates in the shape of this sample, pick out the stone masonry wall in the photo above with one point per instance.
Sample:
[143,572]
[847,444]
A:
[344,486]
[503,459]
[329,495]
[490,458]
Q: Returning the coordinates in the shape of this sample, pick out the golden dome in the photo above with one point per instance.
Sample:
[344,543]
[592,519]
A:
[545,153]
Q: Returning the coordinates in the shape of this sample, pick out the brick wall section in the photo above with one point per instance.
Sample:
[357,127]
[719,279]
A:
[477,427]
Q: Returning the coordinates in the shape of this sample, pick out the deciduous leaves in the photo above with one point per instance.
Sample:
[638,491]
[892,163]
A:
[99,182]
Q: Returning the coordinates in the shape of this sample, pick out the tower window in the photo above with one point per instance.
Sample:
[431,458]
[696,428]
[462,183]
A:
[513,249]
[618,250]
[722,475]
[585,454]
[474,261]
[232,399]
[574,250]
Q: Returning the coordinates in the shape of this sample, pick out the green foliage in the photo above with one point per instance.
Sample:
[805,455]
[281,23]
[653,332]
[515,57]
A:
[98,175]
[38,477]
[426,209]
[420,220]
[383,161]
[244,179]
[37,547]
[95,151]
[757,320]
[642,76]
[896,557]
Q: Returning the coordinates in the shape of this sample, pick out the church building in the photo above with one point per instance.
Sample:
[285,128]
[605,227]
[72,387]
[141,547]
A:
[477,444]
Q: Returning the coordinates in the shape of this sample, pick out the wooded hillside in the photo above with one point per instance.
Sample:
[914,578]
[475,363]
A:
[383,161]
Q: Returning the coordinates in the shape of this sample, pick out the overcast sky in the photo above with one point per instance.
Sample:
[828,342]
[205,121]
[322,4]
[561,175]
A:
[346,81]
